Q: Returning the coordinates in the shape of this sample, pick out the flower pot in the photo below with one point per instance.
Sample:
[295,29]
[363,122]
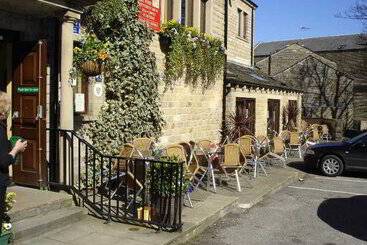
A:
[5,238]
[165,43]
[91,68]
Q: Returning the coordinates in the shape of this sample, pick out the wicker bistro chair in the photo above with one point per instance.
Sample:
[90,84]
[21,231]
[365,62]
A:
[294,144]
[144,146]
[124,183]
[197,172]
[278,153]
[179,152]
[231,162]
[264,142]
[246,144]
[325,132]
[285,135]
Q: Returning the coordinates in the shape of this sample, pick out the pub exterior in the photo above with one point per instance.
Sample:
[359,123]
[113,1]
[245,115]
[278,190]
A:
[36,55]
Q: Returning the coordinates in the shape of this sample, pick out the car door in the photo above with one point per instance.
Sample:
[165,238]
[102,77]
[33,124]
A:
[357,155]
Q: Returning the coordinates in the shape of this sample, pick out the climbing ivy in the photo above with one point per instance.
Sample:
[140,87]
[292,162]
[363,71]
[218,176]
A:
[131,78]
[198,56]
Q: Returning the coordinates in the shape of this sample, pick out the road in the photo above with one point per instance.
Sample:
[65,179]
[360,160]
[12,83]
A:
[318,210]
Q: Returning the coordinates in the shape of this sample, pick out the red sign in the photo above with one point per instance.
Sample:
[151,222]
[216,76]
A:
[150,14]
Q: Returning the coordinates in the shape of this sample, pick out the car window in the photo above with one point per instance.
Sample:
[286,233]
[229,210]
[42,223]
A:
[359,138]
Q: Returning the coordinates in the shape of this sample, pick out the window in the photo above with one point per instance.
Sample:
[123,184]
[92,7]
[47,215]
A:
[168,10]
[239,22]
[203,15]
[187,12]
[242,23]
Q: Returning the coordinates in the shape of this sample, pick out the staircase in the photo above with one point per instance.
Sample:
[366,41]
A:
[37,212]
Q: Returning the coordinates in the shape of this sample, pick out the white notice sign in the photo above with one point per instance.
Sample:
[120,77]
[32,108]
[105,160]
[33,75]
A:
[79,102]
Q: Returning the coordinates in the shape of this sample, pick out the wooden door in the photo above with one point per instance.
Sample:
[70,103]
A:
[273,115]
[245,112]
[29,100]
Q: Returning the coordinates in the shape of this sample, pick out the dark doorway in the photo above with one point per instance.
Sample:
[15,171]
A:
[273,115]
[245,111]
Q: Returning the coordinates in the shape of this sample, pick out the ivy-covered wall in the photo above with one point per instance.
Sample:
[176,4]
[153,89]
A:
[190,113]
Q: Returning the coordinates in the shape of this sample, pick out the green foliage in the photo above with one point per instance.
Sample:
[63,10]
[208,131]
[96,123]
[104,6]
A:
[197,55]
[90,48]
[167,172]
[131,78]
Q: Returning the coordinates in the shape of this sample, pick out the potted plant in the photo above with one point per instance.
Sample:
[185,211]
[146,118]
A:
[7,233]
[165,189]
[90,55]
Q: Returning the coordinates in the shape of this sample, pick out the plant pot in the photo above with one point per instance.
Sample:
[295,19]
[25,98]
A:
[91,68]
[5,238]
[164,210]
[165,43]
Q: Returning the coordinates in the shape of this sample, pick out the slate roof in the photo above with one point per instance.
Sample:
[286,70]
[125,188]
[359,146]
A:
[319,44]
[241,75]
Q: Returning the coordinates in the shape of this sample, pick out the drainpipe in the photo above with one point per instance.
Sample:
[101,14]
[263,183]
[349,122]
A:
[225,42]
[269,65]
[252,37]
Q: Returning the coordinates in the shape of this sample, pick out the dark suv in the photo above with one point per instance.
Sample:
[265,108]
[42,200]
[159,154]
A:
[333,158]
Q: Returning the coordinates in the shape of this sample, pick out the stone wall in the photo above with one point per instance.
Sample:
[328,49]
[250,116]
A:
[354,62]
[261,97]
[239,48]
[190,113]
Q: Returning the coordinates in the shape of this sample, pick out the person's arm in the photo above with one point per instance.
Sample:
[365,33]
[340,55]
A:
[6,160]
[9,158]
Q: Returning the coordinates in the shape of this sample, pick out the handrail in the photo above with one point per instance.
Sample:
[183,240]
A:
[103,154]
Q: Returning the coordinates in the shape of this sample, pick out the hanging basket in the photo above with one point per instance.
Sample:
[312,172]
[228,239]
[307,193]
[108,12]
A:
[164,43]
[91,68]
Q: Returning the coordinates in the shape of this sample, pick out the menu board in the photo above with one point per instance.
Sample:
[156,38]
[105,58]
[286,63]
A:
[150,13]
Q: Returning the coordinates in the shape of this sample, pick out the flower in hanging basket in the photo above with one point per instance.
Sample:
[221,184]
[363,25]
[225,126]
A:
[90,55]
[91,68]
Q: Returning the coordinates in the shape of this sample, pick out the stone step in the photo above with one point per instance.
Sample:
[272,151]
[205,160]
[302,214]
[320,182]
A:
[32,202]
[40,224]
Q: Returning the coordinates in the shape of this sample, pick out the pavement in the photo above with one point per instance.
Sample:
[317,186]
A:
[209,207]
[317,210]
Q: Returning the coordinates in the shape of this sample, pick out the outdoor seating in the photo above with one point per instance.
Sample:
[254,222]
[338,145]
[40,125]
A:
[231,162]
[325,132]
[264,142]
[278,152]
[205,151]
[198,172]
[295,143]
[143,146]
[285,136]
[124,184]
[246,143]
[178,151]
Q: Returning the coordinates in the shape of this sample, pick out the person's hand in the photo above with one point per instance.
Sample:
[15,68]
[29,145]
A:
[20,146]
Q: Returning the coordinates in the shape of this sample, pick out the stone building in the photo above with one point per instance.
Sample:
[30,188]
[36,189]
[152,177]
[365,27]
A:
[36,48]
[193,114]
[348,53]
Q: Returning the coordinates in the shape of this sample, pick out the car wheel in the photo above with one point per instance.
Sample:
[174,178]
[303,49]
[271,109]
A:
[331,165]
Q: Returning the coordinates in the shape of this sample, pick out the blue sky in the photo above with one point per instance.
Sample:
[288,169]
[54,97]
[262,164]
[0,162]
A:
[283,19]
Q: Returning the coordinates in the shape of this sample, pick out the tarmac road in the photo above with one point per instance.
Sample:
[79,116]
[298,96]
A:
[318,210]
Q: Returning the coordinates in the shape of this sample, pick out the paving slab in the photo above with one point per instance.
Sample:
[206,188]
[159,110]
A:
[208,208]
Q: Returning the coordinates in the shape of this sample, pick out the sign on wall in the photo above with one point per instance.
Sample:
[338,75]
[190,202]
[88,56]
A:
[150,13]
[79,102]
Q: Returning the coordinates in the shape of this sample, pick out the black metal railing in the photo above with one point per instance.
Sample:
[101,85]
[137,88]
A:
[139,191]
